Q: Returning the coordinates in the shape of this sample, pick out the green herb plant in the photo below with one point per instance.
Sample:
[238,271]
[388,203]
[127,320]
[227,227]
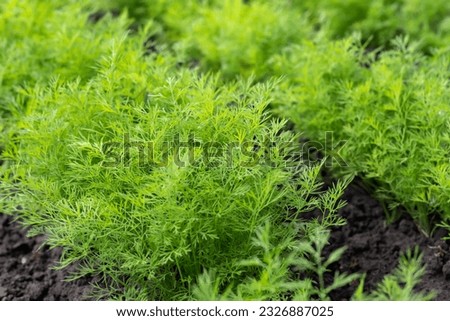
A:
[239,38]
[399,286]
[233,36]
[386,109]
[275,278]
[102,168]
[390,119]
[41,39]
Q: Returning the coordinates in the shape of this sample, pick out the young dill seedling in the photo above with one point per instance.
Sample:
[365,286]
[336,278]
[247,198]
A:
[399,286]
[274,268]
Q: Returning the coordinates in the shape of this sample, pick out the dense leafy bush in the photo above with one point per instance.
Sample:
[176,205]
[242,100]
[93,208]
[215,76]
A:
[102,169]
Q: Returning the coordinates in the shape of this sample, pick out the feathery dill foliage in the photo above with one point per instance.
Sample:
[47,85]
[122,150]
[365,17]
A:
[44,39]
[392,116]
[233,36]
[152,228]
[41,40]
[239,38]
[273,280]
[305,256]
[389,107]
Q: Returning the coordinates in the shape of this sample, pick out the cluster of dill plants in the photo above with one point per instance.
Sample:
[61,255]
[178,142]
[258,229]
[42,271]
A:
[82,81]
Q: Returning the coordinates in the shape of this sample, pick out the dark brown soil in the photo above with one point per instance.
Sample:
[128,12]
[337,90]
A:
[25,269]
[373,248]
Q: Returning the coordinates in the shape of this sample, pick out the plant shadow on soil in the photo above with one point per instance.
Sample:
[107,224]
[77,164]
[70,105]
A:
[373,247]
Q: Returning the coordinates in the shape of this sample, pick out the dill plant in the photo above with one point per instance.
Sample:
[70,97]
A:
[391,116]
[41,39]
[273,280]
[274,265]
[239,38]
[400,284]
[233,36]
[151,229]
